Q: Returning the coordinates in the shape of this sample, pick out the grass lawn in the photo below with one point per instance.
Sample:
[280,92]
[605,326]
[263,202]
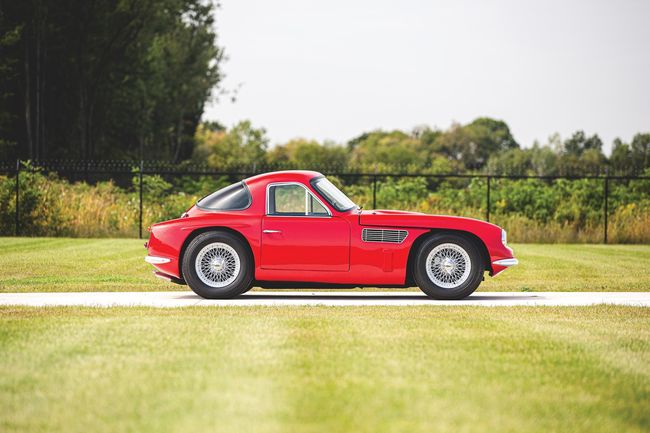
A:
[325,369]
[60,264]
[63,264]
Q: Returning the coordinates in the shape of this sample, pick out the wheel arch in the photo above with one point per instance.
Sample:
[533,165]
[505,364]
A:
[410,281]
[202,230]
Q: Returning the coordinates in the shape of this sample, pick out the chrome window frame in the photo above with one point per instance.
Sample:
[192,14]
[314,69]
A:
[307,194]
[313,182]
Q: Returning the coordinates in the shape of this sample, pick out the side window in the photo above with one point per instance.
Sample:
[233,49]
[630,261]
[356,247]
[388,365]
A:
[288,199]
[315,207]
[233,197]
[293,200]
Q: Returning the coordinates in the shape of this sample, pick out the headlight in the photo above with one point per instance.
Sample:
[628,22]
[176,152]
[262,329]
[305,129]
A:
[504,237]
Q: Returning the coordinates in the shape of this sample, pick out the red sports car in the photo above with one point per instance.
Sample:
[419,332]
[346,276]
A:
[296,229]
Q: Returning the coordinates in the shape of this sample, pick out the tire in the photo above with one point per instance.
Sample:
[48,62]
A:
[218,265]
[448,266]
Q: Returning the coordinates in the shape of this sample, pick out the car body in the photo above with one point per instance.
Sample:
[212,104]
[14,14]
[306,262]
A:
[328,241]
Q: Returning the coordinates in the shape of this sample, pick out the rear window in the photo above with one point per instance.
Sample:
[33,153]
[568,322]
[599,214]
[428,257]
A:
[233,197]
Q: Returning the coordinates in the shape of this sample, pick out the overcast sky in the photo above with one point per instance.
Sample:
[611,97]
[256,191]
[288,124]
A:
[333,69]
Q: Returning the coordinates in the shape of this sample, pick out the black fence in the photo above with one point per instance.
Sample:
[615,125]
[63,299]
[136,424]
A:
[122,172]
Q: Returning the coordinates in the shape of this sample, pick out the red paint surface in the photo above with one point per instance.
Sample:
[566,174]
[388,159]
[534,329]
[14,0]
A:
[317,249]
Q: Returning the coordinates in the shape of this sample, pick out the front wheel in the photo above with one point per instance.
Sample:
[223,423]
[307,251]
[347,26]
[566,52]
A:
[448,266]
[218,265]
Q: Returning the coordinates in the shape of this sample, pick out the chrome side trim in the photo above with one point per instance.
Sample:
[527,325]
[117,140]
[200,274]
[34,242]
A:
[506,262]
[155,260]
[392,236]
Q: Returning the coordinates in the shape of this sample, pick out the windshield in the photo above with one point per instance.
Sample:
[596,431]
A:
[332,194]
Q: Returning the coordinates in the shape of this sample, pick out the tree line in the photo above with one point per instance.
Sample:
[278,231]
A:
[108,79]
[129,79]
[483,144]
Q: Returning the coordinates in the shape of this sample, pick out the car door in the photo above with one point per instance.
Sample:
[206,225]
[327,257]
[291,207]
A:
[300,233]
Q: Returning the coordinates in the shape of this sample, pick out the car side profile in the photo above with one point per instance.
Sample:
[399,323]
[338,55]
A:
[297,229]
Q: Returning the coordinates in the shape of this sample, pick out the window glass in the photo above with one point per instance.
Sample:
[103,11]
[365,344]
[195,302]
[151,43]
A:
[293,200]
[233,197]
[315,207]
[332,194]
[289,199]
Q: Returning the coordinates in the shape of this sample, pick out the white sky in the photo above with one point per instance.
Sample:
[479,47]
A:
[332,69]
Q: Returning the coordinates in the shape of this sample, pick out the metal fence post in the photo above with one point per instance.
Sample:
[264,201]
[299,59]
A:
[17,210]
[374,192]
[487,211]
[606,206]
[140,187]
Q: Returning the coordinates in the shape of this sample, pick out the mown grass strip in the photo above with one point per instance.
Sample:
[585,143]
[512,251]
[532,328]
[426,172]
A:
[325,369]
[60,265]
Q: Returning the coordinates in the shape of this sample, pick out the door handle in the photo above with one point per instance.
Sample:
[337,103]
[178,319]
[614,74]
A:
[272,231]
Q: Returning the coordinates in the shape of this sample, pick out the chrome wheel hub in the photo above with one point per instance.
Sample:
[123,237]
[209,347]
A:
[448,265]
[217,264]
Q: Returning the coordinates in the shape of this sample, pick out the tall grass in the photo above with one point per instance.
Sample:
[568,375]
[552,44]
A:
[50,206]
[529,211]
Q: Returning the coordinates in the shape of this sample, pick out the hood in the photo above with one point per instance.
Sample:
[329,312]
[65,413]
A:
[395,218]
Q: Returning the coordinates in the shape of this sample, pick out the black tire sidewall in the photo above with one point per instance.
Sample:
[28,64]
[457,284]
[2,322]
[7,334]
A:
[437,292]
[243,281]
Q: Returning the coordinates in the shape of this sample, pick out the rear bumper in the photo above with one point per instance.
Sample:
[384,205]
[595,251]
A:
[157,260]
[164,265]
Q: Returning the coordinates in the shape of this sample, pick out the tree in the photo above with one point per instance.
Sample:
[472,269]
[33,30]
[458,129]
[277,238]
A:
[580,154]
[9,37]
[387,148]
[427,137]
[107,78]
[512,161]
[241,145]
[621,158]
[475,142]
[544,159]
[640,147]
[308,154]
[579,142]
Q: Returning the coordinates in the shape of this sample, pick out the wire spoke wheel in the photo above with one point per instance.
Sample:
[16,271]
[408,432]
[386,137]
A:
[217,264]
[448,265]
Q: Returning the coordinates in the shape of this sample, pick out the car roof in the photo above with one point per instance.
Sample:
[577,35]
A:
[302,176]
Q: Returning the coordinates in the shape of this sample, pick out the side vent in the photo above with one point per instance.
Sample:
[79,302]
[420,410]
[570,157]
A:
[384,235]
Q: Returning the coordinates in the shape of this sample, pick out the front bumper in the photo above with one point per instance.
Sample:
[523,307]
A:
[506,262]
[501,265]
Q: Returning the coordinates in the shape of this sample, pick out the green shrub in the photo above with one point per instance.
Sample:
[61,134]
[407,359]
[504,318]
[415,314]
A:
[532,210]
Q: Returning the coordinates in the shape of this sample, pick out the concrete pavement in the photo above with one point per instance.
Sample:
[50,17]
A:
[334,298]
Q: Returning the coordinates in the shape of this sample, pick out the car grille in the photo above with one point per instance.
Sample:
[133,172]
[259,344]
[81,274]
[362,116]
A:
[384,235]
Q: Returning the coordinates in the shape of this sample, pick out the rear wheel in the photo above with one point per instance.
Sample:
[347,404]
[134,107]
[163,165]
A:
[218,265]
[448,266]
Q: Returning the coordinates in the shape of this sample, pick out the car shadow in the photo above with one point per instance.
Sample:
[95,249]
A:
[329,296]
[396,297]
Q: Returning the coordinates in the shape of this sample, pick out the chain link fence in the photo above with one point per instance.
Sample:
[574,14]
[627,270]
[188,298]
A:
[512,200]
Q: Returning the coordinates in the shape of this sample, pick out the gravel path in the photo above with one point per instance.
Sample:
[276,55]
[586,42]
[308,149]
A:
[342,298]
